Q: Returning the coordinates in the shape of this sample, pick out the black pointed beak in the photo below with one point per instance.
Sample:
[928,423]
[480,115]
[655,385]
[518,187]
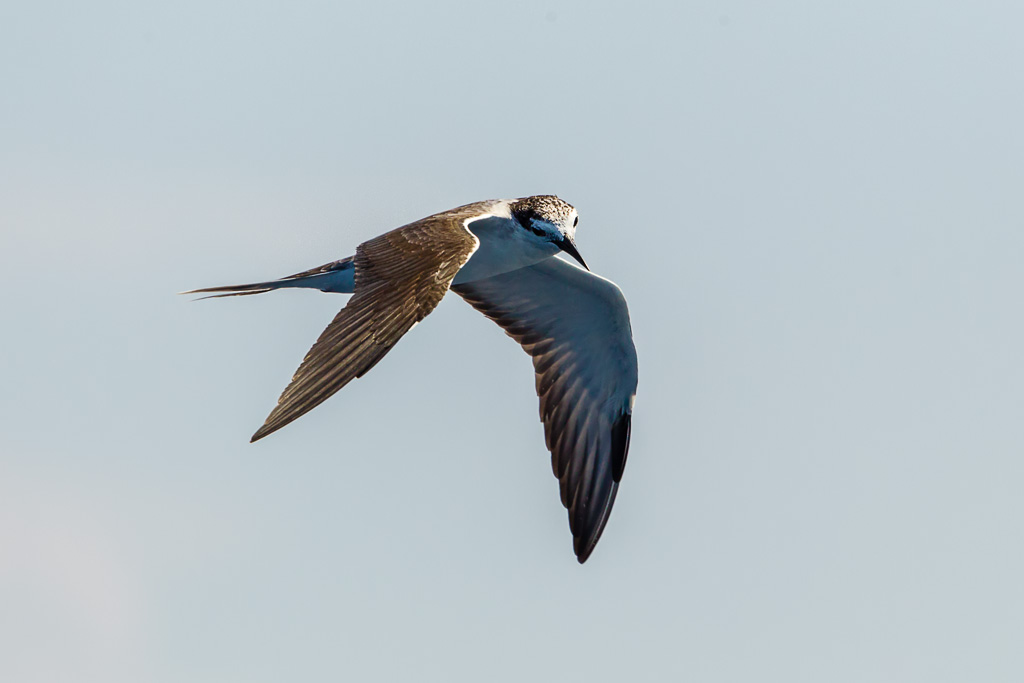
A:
[567,245]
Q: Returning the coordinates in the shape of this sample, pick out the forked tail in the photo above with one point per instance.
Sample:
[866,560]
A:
[338,277]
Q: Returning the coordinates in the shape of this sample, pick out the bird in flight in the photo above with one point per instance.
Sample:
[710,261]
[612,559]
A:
[498,255]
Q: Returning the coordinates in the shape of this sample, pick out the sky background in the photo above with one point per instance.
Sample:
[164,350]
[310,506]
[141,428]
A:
[814,212]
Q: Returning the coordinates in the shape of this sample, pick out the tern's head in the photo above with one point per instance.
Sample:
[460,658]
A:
[549,219]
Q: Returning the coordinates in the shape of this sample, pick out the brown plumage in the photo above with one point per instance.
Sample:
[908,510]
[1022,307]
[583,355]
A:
[400,277]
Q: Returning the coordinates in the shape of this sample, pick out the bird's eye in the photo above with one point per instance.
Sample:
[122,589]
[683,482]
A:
[576,221]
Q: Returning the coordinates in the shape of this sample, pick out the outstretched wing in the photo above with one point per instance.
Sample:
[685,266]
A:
[400,277]
[575,325]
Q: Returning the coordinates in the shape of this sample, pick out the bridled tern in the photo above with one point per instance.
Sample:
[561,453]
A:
[498,256]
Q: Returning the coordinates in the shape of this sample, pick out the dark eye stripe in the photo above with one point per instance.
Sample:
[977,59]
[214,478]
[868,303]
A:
[576,221]
[524,216]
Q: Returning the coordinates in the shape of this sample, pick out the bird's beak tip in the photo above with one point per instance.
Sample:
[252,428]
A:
[569,247]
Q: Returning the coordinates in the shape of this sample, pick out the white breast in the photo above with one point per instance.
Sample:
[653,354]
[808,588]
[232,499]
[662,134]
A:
[504,246]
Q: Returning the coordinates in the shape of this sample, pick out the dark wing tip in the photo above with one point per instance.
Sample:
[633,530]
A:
[620,445]
[585,541]
[582,553]
[276,420]
[586,537]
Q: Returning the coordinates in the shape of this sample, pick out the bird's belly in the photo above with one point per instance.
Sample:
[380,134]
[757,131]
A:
[501,250]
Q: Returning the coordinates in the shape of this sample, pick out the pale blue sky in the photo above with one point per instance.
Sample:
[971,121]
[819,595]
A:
[815,215]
